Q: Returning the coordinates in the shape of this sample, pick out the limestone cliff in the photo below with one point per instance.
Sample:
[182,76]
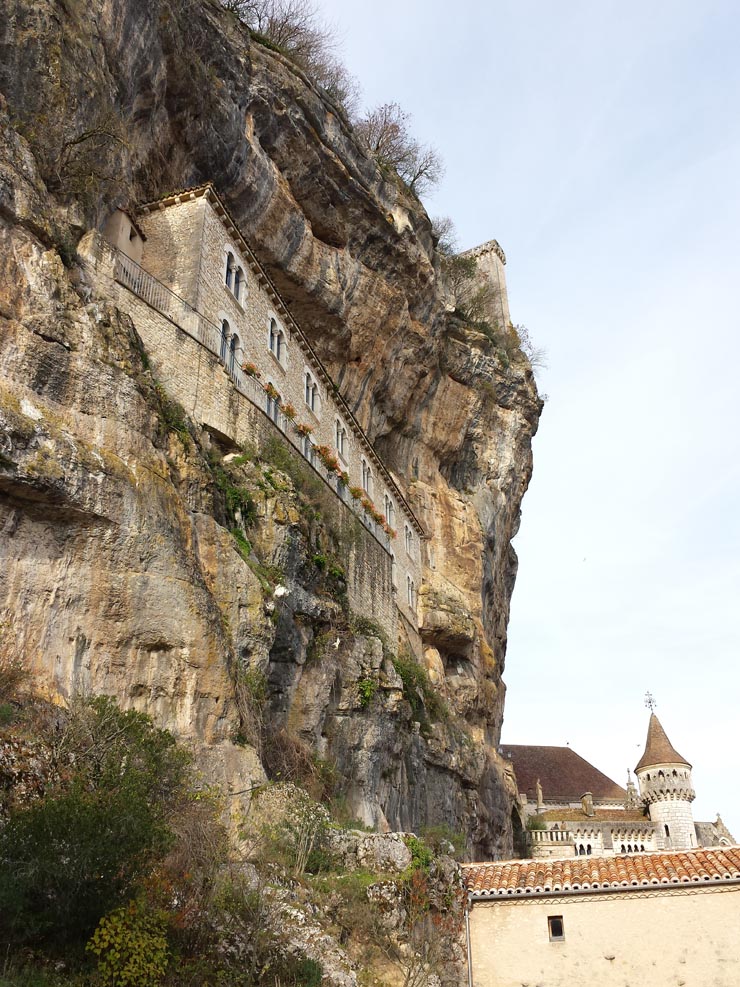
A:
[119,573]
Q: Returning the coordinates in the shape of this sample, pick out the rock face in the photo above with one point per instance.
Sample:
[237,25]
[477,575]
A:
[119,573]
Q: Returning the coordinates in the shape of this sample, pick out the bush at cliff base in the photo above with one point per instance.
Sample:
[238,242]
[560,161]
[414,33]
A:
[75,854]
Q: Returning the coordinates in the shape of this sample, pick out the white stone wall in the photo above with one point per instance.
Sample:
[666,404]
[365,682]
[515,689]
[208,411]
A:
[172,248]
[491,261]
[664,938]
[675,814]
[669,798]
[187,245]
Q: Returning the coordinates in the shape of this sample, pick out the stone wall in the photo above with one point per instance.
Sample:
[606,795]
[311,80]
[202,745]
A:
[661,937]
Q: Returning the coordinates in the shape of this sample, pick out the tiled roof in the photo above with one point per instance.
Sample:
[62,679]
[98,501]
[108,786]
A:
[511,878]
[658,748]
[564,775]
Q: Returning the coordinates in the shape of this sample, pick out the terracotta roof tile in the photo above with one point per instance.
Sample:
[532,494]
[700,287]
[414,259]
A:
[658,748]
[538,877]
[564,775]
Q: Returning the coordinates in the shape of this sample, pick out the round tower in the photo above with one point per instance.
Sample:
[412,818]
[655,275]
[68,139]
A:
[664,778]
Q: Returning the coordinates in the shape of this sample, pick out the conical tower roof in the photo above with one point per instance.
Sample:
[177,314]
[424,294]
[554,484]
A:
[658,748]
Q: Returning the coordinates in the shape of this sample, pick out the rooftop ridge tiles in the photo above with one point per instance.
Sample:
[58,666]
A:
[656,869]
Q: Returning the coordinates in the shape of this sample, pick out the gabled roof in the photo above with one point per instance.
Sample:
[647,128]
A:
[513,878]
[658,748]
[564,775]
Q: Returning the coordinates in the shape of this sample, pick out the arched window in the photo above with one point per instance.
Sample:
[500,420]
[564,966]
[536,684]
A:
[394,572]
[410,592]
[229,277]
[390,511]
[238,283]
[273,405]
[225,334]
[308,449]
[233,348]
[629,848]
[581,850]
[623,849]
[340,437]
[642,848]
[276,341]
[367,478]
[667,831]
[311,392]
[588,850]
[408,539]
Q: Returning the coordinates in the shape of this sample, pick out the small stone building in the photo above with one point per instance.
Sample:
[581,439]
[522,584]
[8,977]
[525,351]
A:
[668,919]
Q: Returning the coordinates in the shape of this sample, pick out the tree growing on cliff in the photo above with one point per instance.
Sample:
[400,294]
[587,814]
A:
[297,29]
[385,132]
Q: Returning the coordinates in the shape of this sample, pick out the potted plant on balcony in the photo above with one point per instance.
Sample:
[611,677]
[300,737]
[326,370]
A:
[251,370]
[303,430]
[328,458]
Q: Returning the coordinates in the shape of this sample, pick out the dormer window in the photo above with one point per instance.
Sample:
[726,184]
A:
[367,478]
[340,438]
[311,392]
[230,267]
[276,342]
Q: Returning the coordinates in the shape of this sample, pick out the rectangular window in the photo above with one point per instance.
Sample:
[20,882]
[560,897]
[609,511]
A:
[555,928]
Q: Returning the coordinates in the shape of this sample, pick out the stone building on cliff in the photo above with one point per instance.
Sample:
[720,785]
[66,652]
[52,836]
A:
[224,344]
[568,807]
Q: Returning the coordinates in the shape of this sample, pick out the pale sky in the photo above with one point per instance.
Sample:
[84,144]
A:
[599,142]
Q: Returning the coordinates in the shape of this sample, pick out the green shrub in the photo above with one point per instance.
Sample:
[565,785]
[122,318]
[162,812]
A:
[242,542]
[418,690]
[421,854]
[238,500]
[71,857]
[367,688]
[131,947]
[437,836]
[172,414]
[536,822]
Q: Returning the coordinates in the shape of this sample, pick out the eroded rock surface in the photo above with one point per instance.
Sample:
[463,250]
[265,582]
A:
[119,573]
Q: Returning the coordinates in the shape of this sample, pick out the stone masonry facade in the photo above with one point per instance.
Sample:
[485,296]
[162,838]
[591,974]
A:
[242,368]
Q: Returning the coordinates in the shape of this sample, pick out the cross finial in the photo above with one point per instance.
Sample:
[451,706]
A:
[650,701]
